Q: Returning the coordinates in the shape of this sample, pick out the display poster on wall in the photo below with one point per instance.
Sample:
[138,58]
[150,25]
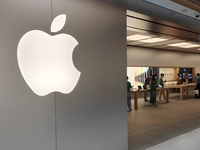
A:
[168,73]
[137,75]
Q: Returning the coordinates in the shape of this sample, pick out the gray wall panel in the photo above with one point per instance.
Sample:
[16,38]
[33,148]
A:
[94,115]
[27,120]
[137,56]
[197,60]
[183,59]
[132,60]
[154,57]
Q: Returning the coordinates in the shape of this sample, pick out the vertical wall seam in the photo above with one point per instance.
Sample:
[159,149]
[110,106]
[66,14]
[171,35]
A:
[51,10]
[55,121]
[55,130]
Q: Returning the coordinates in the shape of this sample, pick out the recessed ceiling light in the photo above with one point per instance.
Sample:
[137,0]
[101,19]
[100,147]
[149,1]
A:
[137,37]
[179,44]
[153,40]
[190,46]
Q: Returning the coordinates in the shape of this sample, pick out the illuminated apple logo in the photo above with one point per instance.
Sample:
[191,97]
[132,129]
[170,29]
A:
[45,61]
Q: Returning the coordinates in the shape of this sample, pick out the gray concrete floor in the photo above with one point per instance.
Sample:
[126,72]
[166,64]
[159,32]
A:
[149,126]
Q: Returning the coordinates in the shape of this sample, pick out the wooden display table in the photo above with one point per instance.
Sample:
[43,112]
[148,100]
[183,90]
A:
[166,89]
[135,93]
[182,88]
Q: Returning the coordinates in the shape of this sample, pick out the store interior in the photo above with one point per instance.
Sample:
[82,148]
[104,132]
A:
[137,75]
[150,126]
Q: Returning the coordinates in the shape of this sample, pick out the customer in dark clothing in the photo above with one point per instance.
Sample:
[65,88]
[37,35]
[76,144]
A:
[146,83]
[153,86]
[147,80]
[128,96]
[198,84]
[178,81]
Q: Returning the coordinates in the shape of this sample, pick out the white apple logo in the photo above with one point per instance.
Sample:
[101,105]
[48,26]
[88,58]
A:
[45,61]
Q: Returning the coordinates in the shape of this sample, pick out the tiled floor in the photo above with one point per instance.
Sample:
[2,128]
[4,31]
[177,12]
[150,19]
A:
[187,141]
[169,126]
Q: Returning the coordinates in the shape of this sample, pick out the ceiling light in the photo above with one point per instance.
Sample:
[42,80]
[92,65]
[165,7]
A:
[179,44]
[153,40]
[190,46]
[137,37]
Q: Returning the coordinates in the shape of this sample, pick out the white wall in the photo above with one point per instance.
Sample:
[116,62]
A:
[137,56]
[93,116]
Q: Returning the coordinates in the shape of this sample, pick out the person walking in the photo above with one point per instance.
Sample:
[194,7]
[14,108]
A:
[128,95]
[153,86]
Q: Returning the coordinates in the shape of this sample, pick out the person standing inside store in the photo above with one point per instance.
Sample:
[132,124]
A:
[128,95]
[178,81]
[153,86]
[146,83]
[161,83]
[186,80]
[198,84]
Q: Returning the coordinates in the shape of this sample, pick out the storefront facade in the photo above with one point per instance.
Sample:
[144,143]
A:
[93,116]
